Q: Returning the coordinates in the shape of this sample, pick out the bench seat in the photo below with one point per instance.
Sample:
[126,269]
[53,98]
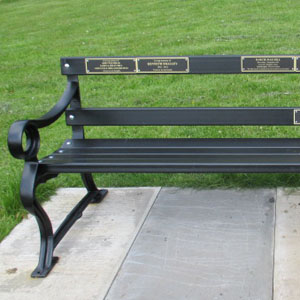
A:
[175,155]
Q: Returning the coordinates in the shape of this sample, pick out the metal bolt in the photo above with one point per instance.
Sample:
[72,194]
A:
[67,66]
[51,156]
[71,117]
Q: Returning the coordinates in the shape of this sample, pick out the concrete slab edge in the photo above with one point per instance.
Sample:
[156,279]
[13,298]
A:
[134,236]
[286,280]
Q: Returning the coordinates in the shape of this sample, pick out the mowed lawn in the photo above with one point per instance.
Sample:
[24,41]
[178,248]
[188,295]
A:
[35,34]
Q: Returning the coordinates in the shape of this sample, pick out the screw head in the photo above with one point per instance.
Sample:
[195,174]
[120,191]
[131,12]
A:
[71,117]
[67,66]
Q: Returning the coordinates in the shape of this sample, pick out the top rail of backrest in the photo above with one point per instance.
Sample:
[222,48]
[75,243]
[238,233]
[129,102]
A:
[214,64]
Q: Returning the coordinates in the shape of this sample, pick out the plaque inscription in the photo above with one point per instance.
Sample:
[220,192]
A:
[267,64]
[163,65]
[110,65]
[296,117]
[297,63]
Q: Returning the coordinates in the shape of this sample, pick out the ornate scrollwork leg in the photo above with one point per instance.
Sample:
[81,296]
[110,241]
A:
[27,193]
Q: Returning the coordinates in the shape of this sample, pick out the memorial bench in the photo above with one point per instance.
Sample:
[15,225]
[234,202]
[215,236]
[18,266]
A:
[182,155]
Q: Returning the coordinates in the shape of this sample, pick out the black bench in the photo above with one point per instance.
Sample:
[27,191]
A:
[86,156]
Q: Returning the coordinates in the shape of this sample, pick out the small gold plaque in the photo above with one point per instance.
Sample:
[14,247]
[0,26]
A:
[163,65]
[112,65]
[296,116]
[297,63]
[263,64]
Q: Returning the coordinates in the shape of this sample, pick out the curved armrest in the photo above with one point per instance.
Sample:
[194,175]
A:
[30,127]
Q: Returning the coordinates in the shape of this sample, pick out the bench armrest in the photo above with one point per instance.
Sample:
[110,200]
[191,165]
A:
[30,127]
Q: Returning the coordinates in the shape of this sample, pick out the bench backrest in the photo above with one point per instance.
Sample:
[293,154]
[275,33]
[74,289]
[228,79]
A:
[235,64]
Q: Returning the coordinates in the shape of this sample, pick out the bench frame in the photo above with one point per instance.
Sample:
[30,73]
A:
[39,171]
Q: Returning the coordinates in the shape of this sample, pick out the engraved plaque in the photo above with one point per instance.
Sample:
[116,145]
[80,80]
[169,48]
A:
[110,65]
[296,117]
[163,65]
[297,63]
[267,64]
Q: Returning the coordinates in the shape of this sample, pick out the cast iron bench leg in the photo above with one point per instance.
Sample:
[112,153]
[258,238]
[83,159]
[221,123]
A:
[27,192]
[30,180]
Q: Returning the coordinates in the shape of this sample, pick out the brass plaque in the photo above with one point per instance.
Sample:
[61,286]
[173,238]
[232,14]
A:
[267,64]
[296,116]
[163,65]
[110,65]
[297,63]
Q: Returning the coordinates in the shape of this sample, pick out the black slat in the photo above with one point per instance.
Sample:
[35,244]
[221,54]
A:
[205,64]
[160,160]
[107,152]
[183,143]
[181,116]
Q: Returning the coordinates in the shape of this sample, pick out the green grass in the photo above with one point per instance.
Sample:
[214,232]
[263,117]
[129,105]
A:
[35,34]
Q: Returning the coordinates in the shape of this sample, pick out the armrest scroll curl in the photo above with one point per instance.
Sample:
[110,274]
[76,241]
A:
[30,127]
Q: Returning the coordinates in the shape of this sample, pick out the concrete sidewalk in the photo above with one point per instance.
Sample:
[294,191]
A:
[153,243]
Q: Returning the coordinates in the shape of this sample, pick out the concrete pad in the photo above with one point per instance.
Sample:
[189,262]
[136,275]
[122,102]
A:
[211,244]
[90,254]
[287,245]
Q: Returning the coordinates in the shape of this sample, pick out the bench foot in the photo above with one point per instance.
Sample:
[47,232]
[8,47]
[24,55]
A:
[90,185]
[42,273]
[99,196]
